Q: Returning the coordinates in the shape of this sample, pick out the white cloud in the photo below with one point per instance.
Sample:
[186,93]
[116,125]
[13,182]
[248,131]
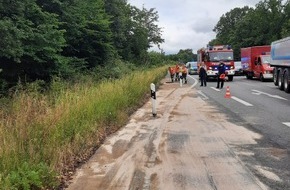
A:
[189,23]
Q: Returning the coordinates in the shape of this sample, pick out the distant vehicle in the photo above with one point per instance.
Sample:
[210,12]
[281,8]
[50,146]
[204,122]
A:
[192,68]
[256,62]
[212,56]
[280,60]
[238,68]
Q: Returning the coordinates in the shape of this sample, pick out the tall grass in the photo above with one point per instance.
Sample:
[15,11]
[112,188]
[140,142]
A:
[43,136]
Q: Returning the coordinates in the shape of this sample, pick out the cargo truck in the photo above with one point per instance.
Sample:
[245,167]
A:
[280,60]
[256,62]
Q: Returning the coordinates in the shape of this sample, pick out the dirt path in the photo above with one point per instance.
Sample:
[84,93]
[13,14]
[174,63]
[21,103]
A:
[189,145]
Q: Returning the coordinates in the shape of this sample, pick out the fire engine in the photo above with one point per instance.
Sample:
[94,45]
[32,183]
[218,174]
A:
[211,56]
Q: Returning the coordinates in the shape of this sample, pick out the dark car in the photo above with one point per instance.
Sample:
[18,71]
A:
[192,68]
[238,68]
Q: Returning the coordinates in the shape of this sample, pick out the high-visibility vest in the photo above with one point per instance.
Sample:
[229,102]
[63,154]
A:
[183,69]
[171,70]
[177,68]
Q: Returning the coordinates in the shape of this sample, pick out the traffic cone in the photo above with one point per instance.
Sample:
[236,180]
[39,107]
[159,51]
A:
[228,93]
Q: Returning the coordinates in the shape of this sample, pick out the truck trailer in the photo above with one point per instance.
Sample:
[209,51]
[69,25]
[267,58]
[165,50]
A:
[280,60]
[256,62]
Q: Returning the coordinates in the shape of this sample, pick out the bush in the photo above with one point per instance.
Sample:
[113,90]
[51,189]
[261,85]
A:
[29,177]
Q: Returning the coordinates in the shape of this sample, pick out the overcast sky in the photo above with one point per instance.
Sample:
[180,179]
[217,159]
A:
[188,24]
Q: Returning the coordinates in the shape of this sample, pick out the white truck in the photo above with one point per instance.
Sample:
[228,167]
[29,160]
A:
[280,60]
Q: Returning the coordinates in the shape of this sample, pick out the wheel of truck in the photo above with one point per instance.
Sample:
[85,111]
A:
[249,76]
[275,77]
[280,80]
[230,78]
[262,78]
[286,81]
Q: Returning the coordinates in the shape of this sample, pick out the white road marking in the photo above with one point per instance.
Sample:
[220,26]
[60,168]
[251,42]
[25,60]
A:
[216,89]
[287,123]
[257,92]
[203,95]
[195,81]
[241,101]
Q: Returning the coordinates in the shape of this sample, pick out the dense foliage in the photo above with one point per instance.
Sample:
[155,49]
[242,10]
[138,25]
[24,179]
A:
[41,39]
[244,27]
[183,56]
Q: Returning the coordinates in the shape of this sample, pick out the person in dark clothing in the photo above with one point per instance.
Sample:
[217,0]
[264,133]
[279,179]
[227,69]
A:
[221,75]
[202,75]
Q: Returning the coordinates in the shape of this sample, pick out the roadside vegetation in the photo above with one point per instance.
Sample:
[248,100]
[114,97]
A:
[44,136]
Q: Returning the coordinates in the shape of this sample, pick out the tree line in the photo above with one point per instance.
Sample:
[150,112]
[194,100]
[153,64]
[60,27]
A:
[45,38]
[41,39]
[245,27]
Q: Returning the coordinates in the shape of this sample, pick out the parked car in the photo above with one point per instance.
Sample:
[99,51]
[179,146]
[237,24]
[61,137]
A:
[192,68]
[238,68]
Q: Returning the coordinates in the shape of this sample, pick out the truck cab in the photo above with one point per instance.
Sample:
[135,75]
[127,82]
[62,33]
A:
[256,62]
[262,68]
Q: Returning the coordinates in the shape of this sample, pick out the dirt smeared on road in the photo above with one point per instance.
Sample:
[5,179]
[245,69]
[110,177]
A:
[188,145]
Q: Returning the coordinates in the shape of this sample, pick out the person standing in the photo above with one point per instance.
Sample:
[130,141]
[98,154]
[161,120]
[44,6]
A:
[202,75]
[172,73]
[184,73]
[177,68]
[221,75]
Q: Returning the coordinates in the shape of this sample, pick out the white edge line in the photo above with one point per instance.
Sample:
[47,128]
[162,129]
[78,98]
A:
[202,94]
[215,89]
[241,101]
[287,123]
[195,81]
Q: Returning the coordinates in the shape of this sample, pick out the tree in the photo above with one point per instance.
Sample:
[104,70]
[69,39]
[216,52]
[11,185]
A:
[227,26]
[120,16]
[88,33]
[285,30]
[251,27]
[143,31]
[32,42]
[185,55]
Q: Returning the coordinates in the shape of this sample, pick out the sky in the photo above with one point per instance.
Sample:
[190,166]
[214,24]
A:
[189,24]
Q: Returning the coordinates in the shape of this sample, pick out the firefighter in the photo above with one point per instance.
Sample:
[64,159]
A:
[183,70]
[221,75]
[202,74]
[172,73]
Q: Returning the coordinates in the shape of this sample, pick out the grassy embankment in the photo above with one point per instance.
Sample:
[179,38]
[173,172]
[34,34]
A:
[44,136]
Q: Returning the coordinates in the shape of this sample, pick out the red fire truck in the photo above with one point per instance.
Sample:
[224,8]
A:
[212,56]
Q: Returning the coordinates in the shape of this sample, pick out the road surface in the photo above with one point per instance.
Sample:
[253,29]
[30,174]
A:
[190,144]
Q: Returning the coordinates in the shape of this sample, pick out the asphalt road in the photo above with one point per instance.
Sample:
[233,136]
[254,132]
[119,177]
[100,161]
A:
[261,104]
[263,108]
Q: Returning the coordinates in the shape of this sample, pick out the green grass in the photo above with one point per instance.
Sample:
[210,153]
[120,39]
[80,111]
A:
[41,136]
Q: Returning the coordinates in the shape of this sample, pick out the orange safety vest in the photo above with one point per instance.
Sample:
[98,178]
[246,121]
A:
[171,70]
[183,69]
